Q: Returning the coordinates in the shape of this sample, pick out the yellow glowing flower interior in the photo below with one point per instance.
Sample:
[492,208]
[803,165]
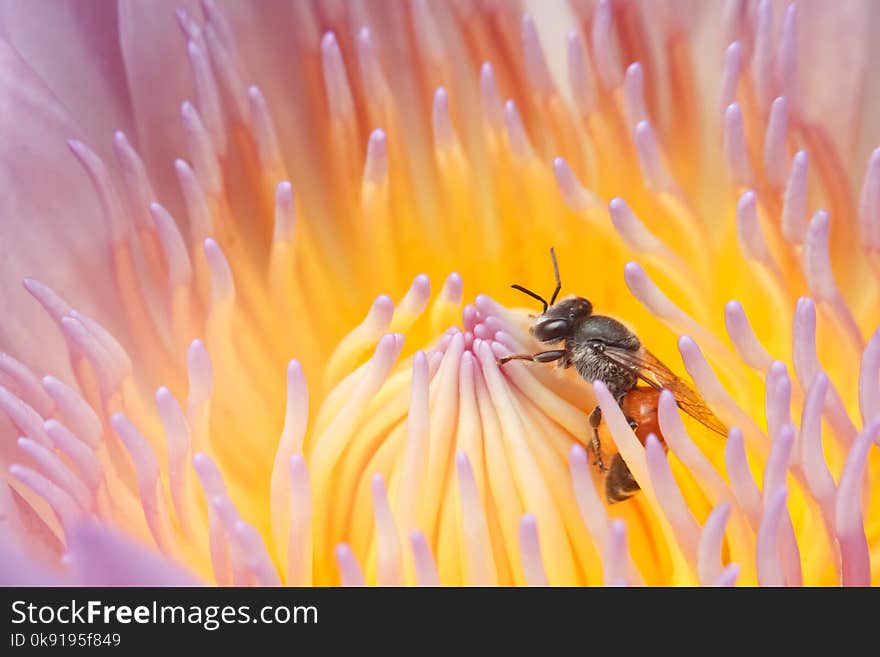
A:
[430,172]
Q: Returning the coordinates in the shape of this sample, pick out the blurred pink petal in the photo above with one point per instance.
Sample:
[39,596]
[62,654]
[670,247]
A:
[159,79]
[100,556]
[56,38]
[55,236]
[837,58]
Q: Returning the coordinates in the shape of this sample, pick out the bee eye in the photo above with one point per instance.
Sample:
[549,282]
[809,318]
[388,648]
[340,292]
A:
[554,329]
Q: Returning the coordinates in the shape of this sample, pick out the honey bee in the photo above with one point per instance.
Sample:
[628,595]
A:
[602,349]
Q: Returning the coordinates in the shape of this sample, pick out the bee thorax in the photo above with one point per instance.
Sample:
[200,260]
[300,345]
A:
[592,366]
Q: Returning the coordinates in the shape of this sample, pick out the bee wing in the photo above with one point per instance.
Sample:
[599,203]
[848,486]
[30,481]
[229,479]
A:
[653,372]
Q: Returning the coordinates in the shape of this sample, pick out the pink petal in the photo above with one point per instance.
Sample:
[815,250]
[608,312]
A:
[155,58]
[23,521]
[835,54]
[530,552]
[728,576]
[770,571]
[671,501]
[350,572]
[426,570]
[709,566]
[850,526]
[615,556]
[17,568]
[74,49]
[102,557]
[42,189]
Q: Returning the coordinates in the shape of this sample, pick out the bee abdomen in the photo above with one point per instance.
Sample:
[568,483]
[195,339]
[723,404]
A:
[640,404]
[620,484]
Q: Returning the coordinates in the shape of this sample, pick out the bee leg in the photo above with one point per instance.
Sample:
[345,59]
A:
[595,444]
[540,357]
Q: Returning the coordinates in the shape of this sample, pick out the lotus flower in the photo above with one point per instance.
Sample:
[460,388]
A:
[266,252]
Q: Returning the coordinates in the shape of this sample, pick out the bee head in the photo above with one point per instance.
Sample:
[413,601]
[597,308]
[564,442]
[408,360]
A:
[559,320]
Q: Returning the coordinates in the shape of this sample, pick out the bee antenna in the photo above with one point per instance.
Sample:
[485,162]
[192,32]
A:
[531,294]
[556,272]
